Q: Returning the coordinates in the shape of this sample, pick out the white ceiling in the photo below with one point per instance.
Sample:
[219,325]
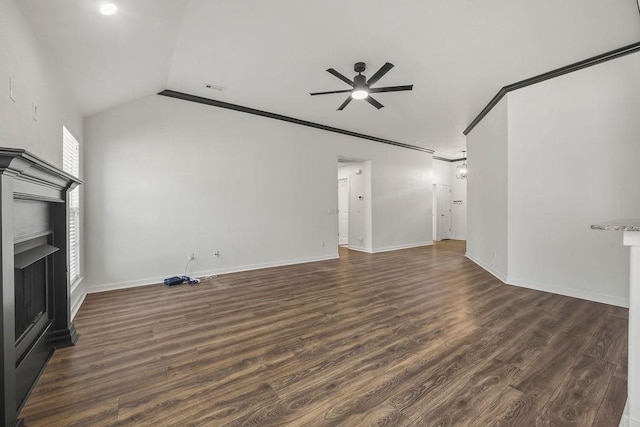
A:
[270,54]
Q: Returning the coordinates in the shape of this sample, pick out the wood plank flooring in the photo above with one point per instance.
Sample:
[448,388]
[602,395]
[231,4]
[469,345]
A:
[416,337]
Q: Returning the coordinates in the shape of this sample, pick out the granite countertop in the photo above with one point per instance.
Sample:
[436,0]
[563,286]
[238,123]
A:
[619,225]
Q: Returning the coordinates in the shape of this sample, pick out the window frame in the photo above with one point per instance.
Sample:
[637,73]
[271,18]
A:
[71,165]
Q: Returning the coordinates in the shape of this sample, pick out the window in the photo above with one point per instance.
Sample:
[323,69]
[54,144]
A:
[71,164]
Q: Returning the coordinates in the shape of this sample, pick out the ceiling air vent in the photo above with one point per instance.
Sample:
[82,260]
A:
[215,87]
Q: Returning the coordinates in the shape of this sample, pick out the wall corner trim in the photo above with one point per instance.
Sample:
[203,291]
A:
[589,62]
[569,292]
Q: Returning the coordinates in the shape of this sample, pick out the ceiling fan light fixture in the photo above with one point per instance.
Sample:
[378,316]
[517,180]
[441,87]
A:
[359,94]
[359,86]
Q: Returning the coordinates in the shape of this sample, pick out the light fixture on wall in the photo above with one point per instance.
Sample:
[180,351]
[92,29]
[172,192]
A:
[461,170]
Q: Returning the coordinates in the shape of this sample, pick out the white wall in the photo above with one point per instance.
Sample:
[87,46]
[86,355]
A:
[35,81]
[401,202]
[459,208]
[487,192]
[570,155]
[167,177]
[574,145]
[441,172]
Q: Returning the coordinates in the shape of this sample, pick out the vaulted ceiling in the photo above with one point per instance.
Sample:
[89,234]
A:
[270,54]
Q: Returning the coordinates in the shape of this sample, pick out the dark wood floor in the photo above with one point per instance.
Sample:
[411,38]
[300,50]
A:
[416,337]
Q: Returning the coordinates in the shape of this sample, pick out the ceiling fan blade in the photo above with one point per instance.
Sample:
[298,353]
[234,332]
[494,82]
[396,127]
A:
[390,89]
[333,91]
[345,103]
[340,76]
[373,102]
[381,72]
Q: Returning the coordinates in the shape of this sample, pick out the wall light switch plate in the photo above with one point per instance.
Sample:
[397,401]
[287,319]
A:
[12,84]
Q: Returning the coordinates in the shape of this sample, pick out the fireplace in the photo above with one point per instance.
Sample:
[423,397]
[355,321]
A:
[33,292]
[35,297]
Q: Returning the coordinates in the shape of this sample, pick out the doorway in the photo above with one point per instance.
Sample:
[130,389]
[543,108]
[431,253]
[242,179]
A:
[354,204]
[343,211]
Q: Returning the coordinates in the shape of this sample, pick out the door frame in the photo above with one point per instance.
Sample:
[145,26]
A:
[348,180]
[436,222]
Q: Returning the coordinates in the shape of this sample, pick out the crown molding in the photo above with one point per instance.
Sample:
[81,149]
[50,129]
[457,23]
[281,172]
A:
[589,62]
[221,104]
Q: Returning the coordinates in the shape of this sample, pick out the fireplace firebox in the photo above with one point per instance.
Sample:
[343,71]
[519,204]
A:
[34,279]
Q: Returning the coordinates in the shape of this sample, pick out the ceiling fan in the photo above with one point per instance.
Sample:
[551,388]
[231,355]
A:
[361,87]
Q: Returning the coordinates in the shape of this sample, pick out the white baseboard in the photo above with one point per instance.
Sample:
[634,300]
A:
[359,249]
[105,287]
[560,290]
[569,292]
[398,247]
[458,238]
[155,280]
[264,265]
[502,277]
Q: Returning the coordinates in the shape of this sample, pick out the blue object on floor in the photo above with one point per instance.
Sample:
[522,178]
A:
[172,281]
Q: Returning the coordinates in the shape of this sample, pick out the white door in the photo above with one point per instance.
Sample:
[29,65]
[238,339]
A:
[343,211]
[444,212]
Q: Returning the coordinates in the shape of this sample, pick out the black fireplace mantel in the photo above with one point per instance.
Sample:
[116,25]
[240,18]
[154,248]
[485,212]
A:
[26,178]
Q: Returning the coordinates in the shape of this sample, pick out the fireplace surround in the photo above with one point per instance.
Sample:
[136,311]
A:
[34,278]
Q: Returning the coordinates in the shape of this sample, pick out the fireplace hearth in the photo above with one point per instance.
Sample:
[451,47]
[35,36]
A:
[35,292]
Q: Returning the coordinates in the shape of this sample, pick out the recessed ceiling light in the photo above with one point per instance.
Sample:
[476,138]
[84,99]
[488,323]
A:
[108,9]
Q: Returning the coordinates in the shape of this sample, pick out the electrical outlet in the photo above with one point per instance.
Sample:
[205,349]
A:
[191,256]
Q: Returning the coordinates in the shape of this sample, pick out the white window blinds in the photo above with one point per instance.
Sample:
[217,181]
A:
[71,164]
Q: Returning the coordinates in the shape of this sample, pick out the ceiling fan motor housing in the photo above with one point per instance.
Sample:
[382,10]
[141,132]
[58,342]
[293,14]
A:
[359,67]
[359,81]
